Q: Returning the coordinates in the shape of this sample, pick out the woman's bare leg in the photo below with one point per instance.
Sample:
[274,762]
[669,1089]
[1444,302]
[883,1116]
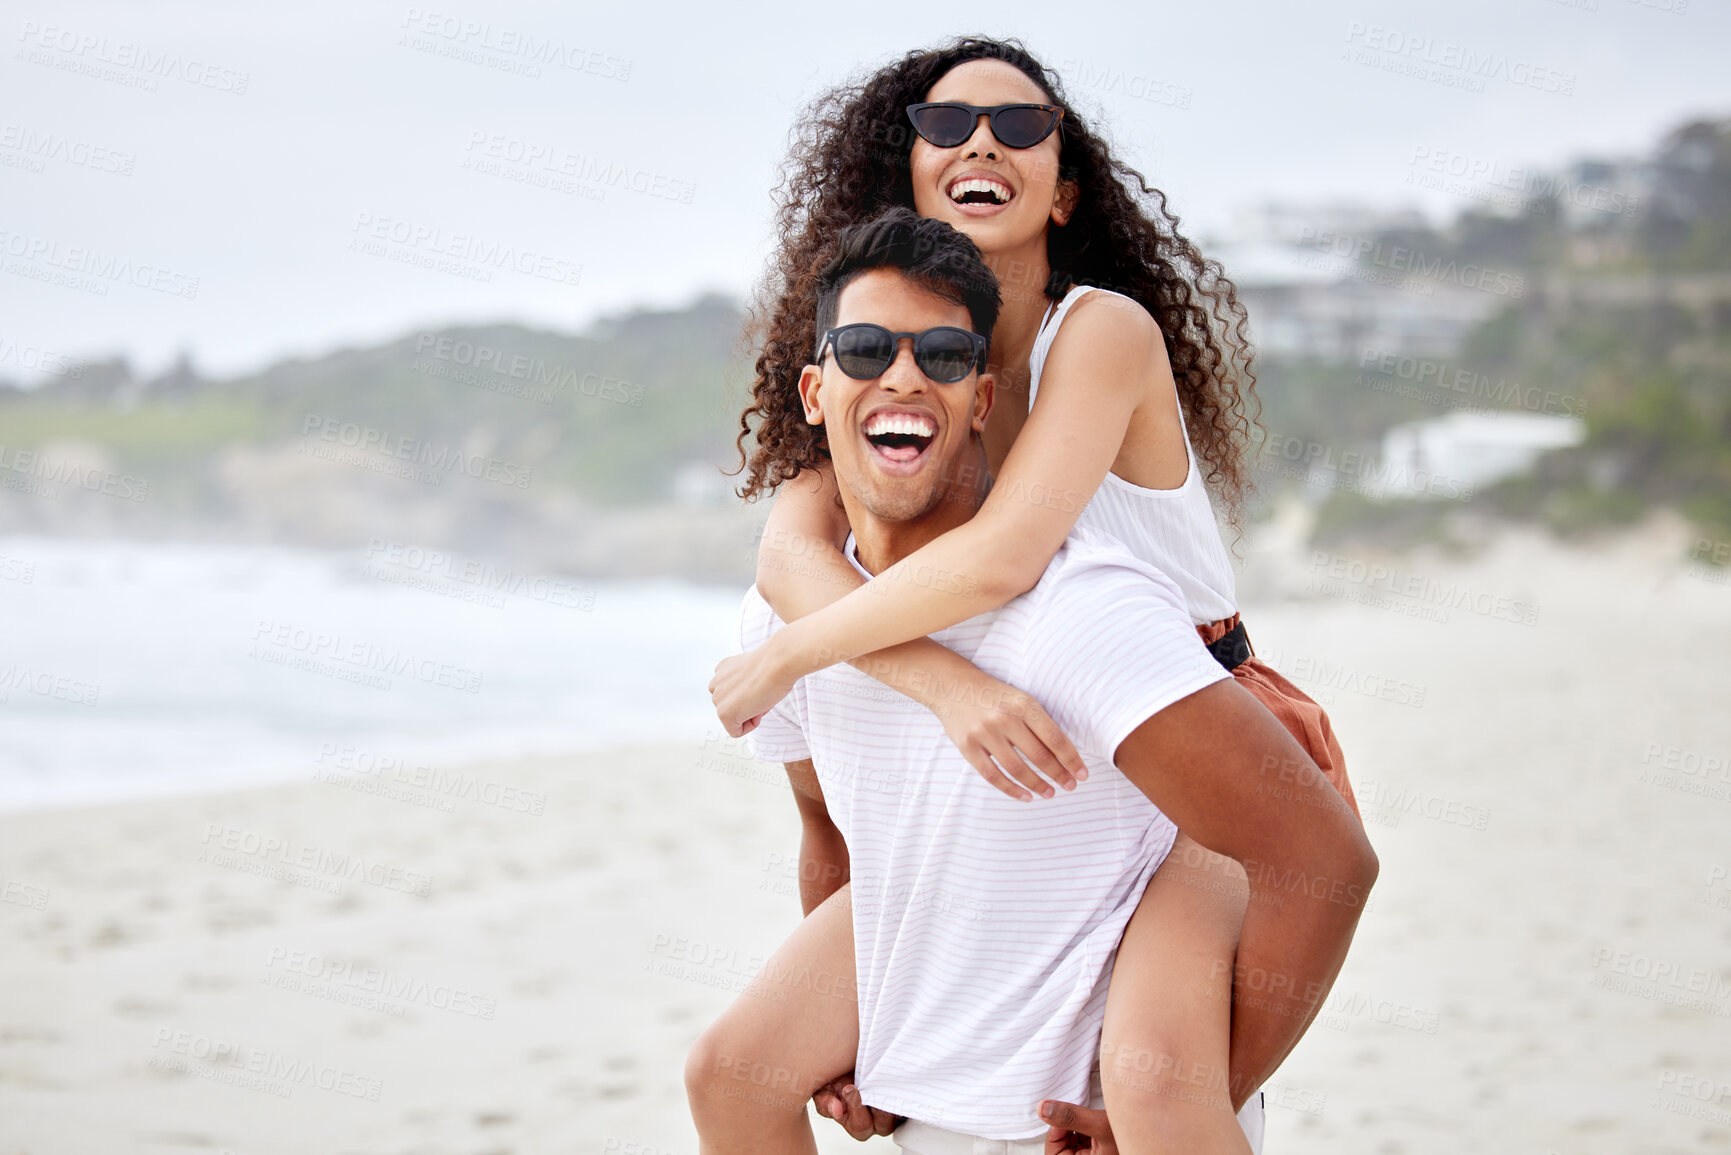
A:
[795,1028]
[1168,1030]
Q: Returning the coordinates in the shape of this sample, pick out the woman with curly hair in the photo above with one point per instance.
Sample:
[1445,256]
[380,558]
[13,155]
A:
[1123,371]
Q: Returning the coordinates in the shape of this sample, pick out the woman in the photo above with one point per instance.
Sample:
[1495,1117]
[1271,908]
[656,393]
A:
[1117,408]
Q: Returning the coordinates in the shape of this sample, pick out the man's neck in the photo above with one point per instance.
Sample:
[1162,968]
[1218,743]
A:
[880,544]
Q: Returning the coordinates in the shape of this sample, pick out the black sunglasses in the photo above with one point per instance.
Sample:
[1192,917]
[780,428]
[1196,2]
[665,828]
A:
[864,351]
[946,124]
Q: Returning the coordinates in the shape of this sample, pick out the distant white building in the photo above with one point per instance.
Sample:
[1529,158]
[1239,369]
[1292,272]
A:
[1305,303]
[1466,451]
[1318,282]
[1284,224]
[1599,194]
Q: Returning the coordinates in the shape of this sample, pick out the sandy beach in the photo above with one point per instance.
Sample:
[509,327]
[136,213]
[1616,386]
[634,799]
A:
[514,960]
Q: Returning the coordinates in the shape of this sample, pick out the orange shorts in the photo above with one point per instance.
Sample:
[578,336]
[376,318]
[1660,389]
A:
[1295,709]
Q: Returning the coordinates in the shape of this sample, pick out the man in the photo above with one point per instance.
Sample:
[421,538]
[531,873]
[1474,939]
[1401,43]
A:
[983,929]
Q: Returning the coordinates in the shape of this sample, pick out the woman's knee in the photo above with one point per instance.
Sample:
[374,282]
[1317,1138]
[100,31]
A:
[1163,1100]
[1150,1076]
[738,1068]
[702,1062]
[714,1059]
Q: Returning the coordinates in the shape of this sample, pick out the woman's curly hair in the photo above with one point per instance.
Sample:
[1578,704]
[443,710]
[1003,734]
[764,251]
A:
[849,161]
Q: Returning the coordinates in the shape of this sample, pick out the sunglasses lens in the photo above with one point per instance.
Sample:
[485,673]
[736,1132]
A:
[944,125]
[1022,127]
[864,351]
[945,355]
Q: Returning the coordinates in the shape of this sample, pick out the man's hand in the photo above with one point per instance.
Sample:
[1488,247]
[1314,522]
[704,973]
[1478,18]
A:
[1077,1129]
[839,1100]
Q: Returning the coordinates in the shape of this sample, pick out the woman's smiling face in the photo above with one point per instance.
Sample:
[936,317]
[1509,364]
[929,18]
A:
[1002,198]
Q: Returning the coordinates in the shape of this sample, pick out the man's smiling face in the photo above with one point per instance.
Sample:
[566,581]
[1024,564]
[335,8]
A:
[899,441]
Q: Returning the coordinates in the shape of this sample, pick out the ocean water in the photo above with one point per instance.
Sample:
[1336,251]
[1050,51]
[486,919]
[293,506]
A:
[132,669]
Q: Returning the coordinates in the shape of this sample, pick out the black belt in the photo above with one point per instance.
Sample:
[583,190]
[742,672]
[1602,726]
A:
[1233,648]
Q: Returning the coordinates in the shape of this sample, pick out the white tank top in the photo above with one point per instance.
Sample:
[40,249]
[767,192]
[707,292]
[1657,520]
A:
[1171,529]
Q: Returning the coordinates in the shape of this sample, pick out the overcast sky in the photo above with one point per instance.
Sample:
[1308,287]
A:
[250,182]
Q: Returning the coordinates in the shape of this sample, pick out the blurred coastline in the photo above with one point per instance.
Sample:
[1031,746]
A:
[243,666]
[138,668]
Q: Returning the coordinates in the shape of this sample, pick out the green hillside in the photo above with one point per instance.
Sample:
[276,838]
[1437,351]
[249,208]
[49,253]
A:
[1627,316]
[609,414]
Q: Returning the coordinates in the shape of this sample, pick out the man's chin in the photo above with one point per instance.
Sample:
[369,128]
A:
[898,498]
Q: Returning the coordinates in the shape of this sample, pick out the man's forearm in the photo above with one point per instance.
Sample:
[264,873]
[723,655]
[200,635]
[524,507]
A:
[1230,776]
[962,573]
[929,672]
[823,859]
[800,573]
[823,866]
[1297,929]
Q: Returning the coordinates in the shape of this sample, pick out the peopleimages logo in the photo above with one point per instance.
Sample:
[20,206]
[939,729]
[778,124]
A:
[1445,61]
[556,161]
[255,1067]
[37,146]
[365,766]
[366,439]
[1661,980]
[61,686]
[290,853]
[1400,259]
[278,642]
[1325,674]
[335,977]
[1437,381]
[1389,801]
[41,255]
[23,894]
[36,359]
[488,360]
[431,246]
[1352,471]
[1080,73]
[88,53]
[510,49]
[1450,171]
[34,464]
[1375,583]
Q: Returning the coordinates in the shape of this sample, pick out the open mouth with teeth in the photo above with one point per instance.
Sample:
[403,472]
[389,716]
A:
[980,192]
[899,440]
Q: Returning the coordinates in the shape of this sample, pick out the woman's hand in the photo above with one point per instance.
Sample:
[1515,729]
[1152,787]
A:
[996,725]
[745,688]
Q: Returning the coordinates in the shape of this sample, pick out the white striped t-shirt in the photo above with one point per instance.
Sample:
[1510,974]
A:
[984,928]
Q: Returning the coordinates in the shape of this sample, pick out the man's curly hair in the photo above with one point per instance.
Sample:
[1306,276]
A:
[849,161]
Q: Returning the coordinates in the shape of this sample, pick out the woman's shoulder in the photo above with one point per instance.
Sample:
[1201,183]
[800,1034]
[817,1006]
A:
[1106,344]
[1106,312]
[1100,324]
